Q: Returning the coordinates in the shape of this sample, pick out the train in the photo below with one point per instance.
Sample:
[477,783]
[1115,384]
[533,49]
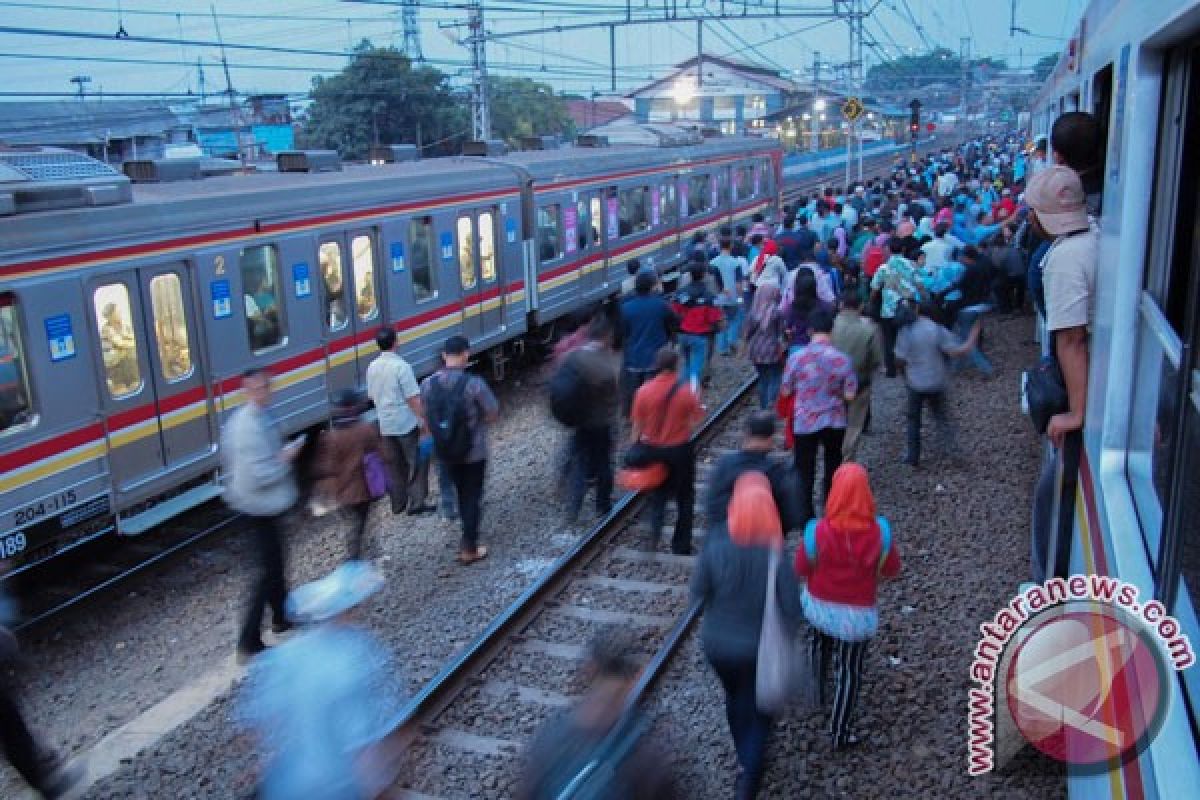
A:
[128,311]
[1131,511]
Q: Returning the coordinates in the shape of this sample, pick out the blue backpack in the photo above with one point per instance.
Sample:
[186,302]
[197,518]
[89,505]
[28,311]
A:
[885,541]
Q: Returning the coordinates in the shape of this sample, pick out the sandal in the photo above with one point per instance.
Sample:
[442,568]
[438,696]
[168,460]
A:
[466,558]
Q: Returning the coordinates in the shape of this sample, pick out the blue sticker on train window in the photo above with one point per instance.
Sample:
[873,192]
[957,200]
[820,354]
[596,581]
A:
[301,280]
[447,241]
[510,230]
[222,306]
[397,252]
[60,337]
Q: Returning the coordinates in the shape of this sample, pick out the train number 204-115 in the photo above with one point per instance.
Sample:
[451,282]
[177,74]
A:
[26,515]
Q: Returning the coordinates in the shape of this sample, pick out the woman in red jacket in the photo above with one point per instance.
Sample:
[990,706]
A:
[843,557]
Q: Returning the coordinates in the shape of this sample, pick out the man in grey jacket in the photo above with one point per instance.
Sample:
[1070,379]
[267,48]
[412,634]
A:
[259,484]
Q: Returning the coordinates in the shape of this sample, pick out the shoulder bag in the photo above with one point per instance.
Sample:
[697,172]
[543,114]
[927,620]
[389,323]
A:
[777,676]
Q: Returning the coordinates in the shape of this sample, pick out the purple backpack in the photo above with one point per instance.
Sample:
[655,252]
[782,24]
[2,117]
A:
[376,475]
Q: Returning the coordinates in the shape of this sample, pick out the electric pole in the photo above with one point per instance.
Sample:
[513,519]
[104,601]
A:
[816,92]
[481,123]
[964,56]
[412,31]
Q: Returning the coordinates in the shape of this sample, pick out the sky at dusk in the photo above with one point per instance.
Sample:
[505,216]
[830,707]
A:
[575,61]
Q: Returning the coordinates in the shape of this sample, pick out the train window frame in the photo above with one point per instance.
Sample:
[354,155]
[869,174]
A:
[421,230]
[1157,432]
[489,255]
[596,220]
[699,193]
[272,268]
[12,330]
[361,270]
[669,204]
[466,256]
[177,298]
[330,294]
[632,210]
[743,188]
[549,220]
[105,296]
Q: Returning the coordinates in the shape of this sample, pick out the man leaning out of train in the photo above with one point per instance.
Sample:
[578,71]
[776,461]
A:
[260,484]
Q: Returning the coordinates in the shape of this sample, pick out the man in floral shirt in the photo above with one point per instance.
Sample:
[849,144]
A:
[895,280]
[822,380]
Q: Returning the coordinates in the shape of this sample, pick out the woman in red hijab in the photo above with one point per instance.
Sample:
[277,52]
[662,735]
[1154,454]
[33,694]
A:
[843,557]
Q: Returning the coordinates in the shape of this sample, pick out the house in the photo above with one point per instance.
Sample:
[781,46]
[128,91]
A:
[587,114]
[261,127]
[714,91]
[109,130]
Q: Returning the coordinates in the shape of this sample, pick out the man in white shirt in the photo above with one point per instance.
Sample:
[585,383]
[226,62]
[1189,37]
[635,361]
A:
[1058,211]
[947,182]
[938,249]
[393,389]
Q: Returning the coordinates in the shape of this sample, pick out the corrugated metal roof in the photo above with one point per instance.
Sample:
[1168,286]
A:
[75,122]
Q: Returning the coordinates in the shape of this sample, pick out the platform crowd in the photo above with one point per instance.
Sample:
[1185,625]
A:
[888,279]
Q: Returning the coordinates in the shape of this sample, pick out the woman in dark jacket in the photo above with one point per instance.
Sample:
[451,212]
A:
[731,583]
[339,465]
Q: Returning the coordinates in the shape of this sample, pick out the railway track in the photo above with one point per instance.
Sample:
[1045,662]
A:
[476,715]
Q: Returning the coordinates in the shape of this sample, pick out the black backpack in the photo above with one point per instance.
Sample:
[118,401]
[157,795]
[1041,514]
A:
[569,400]
[447,413]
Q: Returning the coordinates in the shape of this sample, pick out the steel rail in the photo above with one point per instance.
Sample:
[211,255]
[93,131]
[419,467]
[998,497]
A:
[143,564]
[459,673]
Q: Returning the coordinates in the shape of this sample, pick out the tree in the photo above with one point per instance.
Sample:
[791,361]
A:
[1044,66]
[941,65]
[381,98]
[523,107]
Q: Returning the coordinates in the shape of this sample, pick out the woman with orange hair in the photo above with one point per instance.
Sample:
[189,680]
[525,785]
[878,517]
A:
[843,557]
[730,583]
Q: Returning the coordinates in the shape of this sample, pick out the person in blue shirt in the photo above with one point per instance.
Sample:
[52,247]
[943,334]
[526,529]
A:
[647,323]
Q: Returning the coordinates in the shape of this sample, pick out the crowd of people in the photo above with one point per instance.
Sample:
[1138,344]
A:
[895,273]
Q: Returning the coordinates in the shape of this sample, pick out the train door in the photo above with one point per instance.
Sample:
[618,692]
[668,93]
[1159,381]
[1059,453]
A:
[155,406]
[479,272]
[368,297]
[339,318]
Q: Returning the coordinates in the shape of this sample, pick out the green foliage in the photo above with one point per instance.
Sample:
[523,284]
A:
[381,97]
[523,107]
[937,66]
[1044,66]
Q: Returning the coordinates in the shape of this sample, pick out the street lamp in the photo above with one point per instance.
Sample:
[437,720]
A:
[819,104]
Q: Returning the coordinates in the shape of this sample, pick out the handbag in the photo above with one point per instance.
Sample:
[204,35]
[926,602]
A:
[777,677]
[642,479]
[376,475]
[641,453]
[1045,393]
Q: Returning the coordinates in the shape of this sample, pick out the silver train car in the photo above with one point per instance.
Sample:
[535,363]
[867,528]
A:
[1134,511]
[128,313]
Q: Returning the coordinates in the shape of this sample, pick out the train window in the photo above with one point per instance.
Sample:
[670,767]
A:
[595,215]
[362,255]
[744,187]
[260,293]
[16,410]
[698,195]
[633,211]
[466,252]
[549,240]
[170,326]
[118,341]
[721,188]
[420,258]
[669,206]
[487,247]
[577,238]
[333,275]
[1157,409]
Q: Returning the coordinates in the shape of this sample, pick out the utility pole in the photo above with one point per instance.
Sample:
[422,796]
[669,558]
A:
[80,81]
[612,59]
[699,54]
[481,120]
[235,115]
[964,56]
[816,91]
[412,31]
[200,73]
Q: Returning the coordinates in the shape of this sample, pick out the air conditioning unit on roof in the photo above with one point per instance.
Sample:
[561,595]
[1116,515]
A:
[309,161]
